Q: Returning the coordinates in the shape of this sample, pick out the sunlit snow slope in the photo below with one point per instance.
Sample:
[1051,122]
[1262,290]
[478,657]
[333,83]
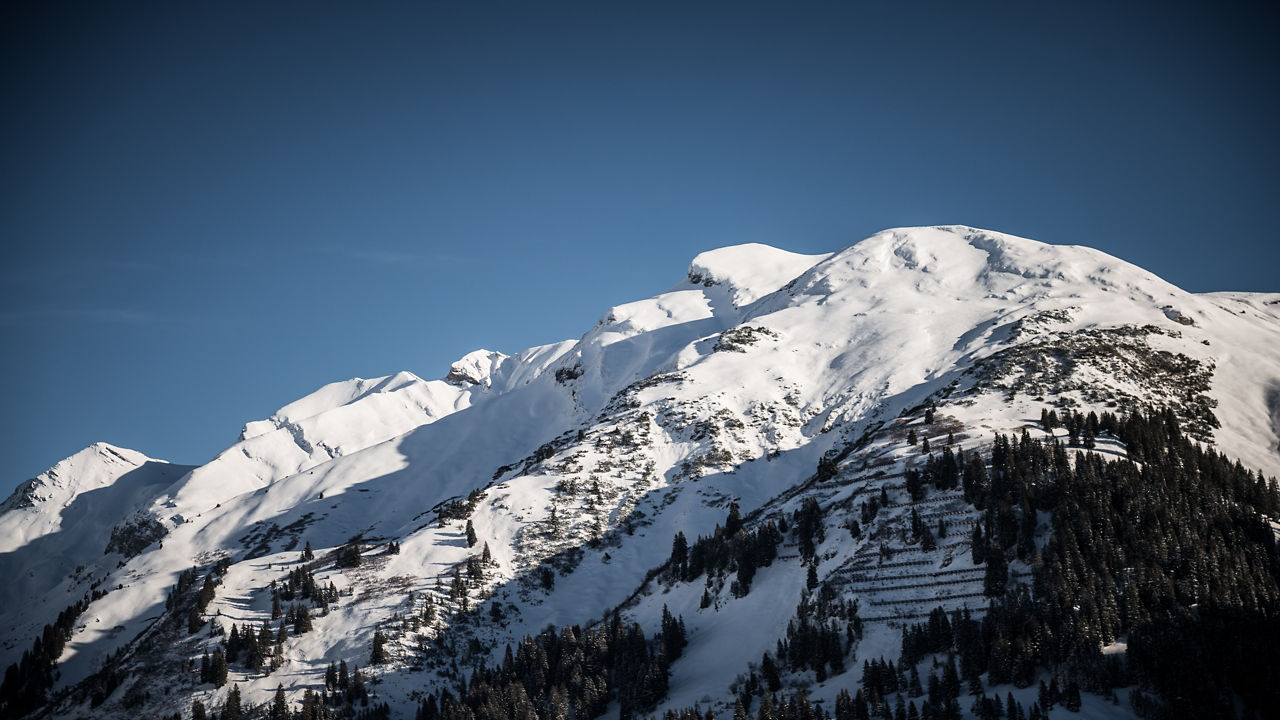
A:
[588,456]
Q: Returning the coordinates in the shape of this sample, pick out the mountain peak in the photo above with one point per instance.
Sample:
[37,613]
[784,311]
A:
[90,467]
[958,262]
[475,368]
[749,271]
[43,497]
[768,385]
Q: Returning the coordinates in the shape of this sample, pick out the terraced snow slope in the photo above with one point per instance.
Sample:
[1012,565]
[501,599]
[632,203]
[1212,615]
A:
[583,459]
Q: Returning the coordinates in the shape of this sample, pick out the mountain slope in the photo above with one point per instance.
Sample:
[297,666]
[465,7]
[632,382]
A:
[577,463]
[58,522]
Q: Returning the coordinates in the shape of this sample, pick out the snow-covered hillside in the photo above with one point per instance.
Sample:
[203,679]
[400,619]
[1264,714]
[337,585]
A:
[764,379]
[58,523]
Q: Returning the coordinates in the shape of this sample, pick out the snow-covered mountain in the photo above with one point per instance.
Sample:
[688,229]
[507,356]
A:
[764,380]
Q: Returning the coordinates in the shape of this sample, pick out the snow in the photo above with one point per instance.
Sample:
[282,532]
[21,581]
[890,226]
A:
[61,520]
[670,424]
[750,271]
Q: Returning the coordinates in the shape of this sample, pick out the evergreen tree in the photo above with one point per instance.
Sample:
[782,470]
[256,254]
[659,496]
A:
[769,669]
[379,654]
[279,705]
[194,621]
[911,437]
[253,649]
[673,637]
[231,709]
[978,546]
[233,644]
[349,554]
[471,534]
[301,620]
[218,669]
[993,584]
[1071,698]
[358,691]
[679,553]
[733,523]
[197,710]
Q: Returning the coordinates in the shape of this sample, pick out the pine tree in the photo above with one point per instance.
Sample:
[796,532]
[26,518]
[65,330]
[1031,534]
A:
[307,553]
[673,638]
[233,644]
[914,688]
[279,705]
[911,436]
[471,534]
[1071,698]
[379,654]
[218,669]
[231,709]
[253,649]
[997,576]
[978,546]
[197,710]
[348,555]
[769,669]
[301,620]
[358,691]
[679,553]
[1044,698]
[733,523]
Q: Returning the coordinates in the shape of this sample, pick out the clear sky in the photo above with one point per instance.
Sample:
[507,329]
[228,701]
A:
[208,210]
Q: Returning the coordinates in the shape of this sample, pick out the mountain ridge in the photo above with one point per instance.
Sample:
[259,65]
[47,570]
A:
[588,455]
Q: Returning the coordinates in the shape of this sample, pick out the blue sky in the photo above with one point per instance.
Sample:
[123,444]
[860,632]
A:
[209,210]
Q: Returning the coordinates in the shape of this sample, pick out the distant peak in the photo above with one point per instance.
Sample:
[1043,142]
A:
[956,255]
[749,271]
[94,466]
[108,453]
[475,368]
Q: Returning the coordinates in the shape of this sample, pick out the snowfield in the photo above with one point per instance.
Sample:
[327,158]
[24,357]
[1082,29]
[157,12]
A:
[581,460]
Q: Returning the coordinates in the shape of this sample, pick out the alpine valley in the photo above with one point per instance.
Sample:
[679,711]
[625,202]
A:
[942,473]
